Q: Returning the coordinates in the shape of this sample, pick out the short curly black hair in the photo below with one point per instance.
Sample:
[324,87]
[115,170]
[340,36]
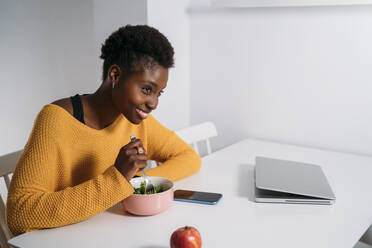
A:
[136,48]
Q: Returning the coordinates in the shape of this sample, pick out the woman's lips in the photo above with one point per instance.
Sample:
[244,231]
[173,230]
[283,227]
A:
[141,113]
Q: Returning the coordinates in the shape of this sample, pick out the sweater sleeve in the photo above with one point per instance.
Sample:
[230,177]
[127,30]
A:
[35,203]
[178,158]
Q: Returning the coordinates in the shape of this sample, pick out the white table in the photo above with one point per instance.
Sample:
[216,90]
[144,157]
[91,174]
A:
[237,221]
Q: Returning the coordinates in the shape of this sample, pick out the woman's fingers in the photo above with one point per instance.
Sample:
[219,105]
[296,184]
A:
[140,150]
[136,144]
[142,164]
[138,160]
[131,159]
[130,152]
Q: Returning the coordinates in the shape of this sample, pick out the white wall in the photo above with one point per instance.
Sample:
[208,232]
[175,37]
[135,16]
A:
[46,53]
[293,75]
[171,18]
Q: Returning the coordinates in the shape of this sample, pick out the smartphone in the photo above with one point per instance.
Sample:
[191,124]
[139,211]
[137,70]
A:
[197,197]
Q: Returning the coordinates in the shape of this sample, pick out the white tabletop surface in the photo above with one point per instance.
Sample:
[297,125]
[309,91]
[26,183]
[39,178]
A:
[237,221]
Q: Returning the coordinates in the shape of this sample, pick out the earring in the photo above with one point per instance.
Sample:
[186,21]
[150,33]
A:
[113,85]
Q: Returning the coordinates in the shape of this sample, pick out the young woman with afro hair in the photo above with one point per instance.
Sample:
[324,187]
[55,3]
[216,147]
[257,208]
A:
[79,157]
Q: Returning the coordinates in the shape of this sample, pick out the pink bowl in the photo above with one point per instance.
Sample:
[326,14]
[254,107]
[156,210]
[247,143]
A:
[150,204]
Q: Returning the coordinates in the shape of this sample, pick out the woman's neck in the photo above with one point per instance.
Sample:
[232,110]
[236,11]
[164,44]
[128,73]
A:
[99,110]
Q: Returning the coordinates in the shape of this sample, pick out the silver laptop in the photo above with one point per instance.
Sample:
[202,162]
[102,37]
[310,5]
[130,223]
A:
[282,181]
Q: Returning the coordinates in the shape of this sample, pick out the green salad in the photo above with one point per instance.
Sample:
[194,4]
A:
[141,189]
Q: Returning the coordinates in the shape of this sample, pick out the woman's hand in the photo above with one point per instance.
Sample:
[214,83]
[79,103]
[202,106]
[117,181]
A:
[131,159]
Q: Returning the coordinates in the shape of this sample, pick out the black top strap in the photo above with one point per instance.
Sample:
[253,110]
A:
[77,108]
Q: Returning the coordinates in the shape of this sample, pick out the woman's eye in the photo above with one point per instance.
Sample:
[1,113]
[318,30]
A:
[146,90]
[161,92]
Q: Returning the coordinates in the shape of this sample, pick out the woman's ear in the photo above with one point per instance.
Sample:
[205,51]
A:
[114,74]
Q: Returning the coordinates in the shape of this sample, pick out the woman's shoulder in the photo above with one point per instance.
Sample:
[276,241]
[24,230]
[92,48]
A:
[64,103]
[53,114]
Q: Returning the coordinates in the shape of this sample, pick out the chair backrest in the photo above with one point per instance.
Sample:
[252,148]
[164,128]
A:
[8,163]
[193,134]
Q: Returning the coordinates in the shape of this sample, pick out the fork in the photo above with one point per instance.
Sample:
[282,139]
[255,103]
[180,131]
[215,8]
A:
[148,186]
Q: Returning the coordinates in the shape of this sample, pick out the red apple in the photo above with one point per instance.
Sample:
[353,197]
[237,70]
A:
[186,237]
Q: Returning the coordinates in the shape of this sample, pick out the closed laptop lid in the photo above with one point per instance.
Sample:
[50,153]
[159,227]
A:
[292,177]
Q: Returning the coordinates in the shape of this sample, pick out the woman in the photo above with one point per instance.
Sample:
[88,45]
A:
[79,158]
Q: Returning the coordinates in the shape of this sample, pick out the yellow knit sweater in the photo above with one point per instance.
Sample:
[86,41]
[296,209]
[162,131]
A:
[66,173]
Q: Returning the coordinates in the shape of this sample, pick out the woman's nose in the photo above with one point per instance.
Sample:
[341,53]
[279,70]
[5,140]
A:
[152,103]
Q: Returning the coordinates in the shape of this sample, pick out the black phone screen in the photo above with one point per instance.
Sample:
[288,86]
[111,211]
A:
[197,196]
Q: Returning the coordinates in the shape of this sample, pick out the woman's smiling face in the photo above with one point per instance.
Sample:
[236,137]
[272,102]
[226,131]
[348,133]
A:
[136,96]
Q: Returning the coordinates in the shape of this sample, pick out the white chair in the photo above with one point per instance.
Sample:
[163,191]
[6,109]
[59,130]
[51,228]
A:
[194,134]
[8,163]
[362,245]
[366,239]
